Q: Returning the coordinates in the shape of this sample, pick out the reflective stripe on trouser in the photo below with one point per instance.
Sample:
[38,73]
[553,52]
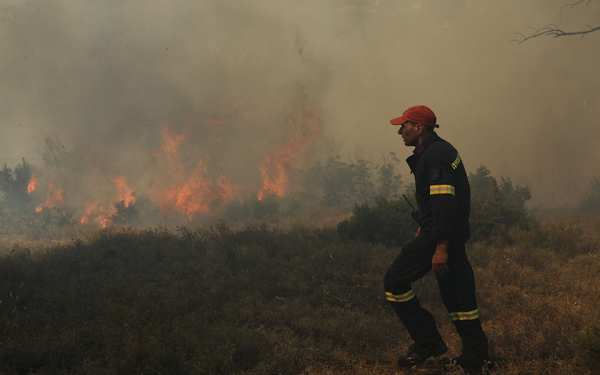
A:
[400,297]
[419,322]
[462,315]
[407,268]
[457,289]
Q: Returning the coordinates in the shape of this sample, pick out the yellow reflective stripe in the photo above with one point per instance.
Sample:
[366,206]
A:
[462,313]
[469,315]
[456,162]
[442,189]
[400,298]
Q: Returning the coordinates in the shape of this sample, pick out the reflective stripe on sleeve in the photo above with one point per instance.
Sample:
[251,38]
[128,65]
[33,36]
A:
[456,162]
[441,189]
[469,315]
[401,297]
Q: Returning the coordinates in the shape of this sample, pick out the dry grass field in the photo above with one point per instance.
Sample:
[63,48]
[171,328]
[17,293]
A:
[265,300]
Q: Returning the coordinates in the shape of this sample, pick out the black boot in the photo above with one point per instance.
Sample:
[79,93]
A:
[418,353]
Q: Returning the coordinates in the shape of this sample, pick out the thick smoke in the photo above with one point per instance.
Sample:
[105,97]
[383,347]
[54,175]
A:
[106,78]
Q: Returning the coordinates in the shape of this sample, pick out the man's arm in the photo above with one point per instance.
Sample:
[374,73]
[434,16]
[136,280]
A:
[445,211]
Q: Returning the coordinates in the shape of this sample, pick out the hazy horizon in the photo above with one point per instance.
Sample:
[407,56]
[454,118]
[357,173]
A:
[240,82]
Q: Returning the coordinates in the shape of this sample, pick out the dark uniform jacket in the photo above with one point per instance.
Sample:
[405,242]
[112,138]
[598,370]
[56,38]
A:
[443,192]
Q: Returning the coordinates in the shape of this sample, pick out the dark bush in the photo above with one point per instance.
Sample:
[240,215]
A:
[388,221]
[496,207]
[269,207]
[47,222]
[126,214]
[342,184]
[389,182]
[590,203]
[13,183]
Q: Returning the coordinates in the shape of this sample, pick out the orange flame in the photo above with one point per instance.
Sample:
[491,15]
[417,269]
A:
[101,212]
[96,212]
[53,198]
[197,194]
[125,194]
[193,192]
[285,157]
[32,182]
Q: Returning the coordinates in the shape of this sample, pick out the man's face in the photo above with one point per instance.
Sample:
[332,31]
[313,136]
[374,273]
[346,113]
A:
[410,133]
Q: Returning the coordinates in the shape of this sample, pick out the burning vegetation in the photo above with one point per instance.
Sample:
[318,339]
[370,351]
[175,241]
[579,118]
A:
[116,268]
[193,190]
[54,197]
[32,183]
[189,181]
[284,158]
[187,190]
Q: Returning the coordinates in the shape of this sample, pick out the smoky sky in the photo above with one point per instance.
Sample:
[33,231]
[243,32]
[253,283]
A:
[109,75]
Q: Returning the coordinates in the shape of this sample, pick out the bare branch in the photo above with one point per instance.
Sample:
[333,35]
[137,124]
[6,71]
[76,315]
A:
[570,6]
[555,31]
[574,4]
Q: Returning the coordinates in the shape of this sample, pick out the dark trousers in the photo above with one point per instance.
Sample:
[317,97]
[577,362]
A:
[457,288]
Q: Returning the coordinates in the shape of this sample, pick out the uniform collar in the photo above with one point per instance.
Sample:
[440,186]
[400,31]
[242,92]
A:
[432,138]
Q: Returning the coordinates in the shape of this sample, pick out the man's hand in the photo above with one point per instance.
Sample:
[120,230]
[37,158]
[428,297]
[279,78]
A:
[439,263]
[418,231]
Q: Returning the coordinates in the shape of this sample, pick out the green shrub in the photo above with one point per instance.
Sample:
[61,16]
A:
[496,207]
[388,221]
[389,182]
[342,184]
[45,223]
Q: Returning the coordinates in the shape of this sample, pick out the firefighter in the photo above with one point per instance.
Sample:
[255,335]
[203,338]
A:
[443,195]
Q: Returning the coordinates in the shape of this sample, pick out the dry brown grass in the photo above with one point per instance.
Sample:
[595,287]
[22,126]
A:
[261,300]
